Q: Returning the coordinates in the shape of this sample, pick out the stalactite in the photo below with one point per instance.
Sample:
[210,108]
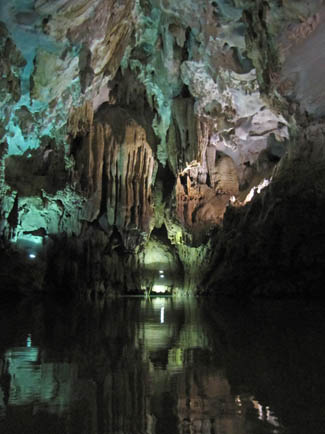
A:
[80,119]
[128,164]
[204,131]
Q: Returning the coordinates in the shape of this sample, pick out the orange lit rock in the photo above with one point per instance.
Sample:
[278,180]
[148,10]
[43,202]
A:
[114,170]
[202,204]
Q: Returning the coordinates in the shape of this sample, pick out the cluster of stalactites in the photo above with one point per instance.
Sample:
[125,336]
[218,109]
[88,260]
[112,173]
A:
[81,119]
[116,175]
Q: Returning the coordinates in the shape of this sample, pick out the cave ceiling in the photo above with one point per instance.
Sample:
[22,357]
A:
[135,116]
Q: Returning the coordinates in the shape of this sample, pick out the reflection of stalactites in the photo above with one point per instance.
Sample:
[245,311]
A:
[125,399]
[205,403]
[265,414]
[5,380]
[151,424]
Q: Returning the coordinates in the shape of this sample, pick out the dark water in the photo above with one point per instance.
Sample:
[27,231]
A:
[162,366]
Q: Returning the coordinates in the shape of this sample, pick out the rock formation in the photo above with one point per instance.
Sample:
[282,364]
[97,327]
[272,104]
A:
[192,131]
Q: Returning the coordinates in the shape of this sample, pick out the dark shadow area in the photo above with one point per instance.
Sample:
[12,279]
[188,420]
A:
[161,233]
[168,180]
[273,246]
[36,170]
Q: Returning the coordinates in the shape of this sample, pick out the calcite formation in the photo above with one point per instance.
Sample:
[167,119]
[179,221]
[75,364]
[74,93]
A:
[115,172]
[140,125]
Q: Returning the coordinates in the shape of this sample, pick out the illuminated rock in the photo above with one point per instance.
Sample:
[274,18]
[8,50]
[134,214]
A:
[161,268]
[114,168]
[120,118]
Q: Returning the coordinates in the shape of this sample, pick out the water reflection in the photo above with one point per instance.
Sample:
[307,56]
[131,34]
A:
[161,365]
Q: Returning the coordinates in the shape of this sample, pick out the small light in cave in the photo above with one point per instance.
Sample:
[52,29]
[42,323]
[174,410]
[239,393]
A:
[29,341]
[162,276]
[238,401]
[32,255]
[162,315]
[159,288]
[161,272]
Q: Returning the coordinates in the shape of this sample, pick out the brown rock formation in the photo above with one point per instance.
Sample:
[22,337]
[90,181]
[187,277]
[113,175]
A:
[115,171]
[200,204]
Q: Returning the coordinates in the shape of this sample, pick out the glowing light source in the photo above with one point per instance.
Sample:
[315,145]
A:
[162,276]
[161,272]
[32,255]
[160,288]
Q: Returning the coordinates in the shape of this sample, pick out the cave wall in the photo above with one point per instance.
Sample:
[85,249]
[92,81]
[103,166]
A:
[141,129]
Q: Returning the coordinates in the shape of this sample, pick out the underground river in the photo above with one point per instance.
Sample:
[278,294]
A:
[162,366]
